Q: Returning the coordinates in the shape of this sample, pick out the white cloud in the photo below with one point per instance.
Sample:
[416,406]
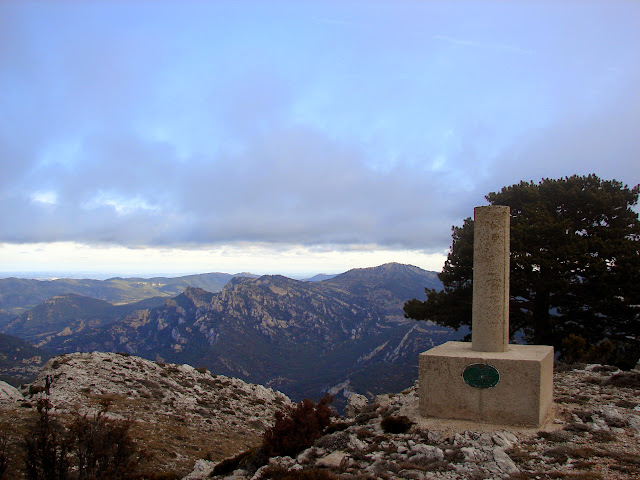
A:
[45,197]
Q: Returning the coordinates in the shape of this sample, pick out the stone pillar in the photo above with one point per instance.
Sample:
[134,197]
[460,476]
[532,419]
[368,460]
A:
[490,317]
[487,380]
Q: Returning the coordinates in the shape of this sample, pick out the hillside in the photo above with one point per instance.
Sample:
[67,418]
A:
[180,414]
[300,337]
[19,294]
[20,361]
[190,421]
[63,315]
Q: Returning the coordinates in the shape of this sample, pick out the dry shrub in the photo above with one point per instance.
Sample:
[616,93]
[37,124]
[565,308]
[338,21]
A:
[603,436]
[247,458]
[277,472]
[94,448]
[5,454]
[624,379]
[103,448]
[336,427]
[557,436]
[624,403]
[47,447]
[297,427]
[399,424]
[562,453]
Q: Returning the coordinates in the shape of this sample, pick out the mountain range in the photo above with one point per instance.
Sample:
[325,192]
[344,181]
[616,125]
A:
[18,295]
[343,334]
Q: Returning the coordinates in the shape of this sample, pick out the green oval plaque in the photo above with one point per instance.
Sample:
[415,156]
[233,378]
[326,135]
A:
[481,375]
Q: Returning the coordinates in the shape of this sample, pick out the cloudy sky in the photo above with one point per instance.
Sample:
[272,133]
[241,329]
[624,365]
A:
[295,137]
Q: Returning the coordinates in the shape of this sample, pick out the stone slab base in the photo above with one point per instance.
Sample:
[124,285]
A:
[523,394]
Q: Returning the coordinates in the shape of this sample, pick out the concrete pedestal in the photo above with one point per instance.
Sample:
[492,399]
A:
[522,395]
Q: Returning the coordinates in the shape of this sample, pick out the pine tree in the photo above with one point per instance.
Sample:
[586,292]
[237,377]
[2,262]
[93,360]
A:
[575,268]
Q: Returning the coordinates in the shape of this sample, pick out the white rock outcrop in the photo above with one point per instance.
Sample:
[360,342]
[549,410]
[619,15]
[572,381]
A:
[9,393]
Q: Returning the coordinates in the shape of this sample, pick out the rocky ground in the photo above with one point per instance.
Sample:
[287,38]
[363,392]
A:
[183,416]
[180,414]
[594,434]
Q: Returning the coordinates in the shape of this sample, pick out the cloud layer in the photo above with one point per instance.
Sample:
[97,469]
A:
[321,125]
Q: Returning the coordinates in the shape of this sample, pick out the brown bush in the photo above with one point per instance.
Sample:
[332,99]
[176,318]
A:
[47,447]
[624,379]
[5,454]
[399,424]
[277,472]
[297,427]
[94,448]
[103,448]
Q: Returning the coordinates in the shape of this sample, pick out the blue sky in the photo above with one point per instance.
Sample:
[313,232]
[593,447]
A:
[295,137]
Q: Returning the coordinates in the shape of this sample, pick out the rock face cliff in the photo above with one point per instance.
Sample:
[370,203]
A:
[180,414]
[339,335]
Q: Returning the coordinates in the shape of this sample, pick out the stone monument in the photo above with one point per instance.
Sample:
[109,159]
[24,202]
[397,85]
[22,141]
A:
[488,380]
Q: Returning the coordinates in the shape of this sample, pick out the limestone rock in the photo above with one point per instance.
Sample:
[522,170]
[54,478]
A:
[333,460]
[596,430]
[9,393]
[169,403]
[355,404]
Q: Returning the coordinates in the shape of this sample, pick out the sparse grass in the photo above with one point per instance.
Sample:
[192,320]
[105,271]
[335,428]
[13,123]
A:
[578,427]
[558,436]
[577,399]
[519,454]
[603,436]
[604,369]
[593,380]
[277,472]
[364,432]
[562,453]
[545,475]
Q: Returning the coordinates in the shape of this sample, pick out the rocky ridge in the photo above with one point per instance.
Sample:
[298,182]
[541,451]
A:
[180,413]
[301,338]
[595,434]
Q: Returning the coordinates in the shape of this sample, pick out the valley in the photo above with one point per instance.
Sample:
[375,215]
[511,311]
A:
[343,334]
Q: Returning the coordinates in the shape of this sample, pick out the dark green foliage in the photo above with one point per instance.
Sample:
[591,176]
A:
[47,447]
[576,349]
[575,269]
[399,424]
[297,427]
